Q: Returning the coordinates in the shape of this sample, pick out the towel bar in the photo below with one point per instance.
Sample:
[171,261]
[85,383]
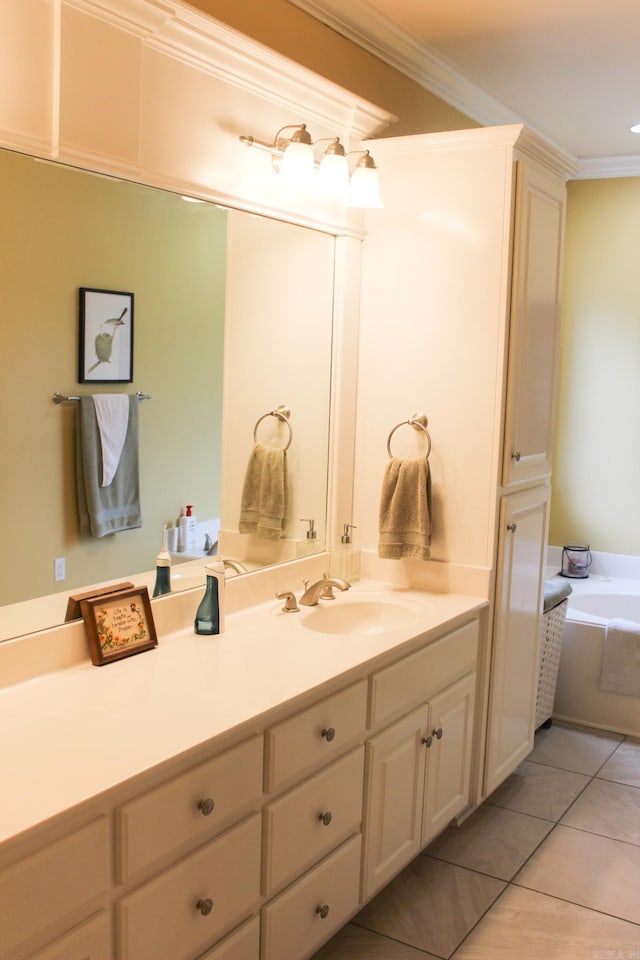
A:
[61,398]
[281,413]
[419,422]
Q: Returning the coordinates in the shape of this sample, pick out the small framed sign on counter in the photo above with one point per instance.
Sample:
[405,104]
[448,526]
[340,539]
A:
[119,625]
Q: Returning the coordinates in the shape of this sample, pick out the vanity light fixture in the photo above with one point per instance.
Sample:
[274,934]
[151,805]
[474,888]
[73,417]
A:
[294,159]
[635,128]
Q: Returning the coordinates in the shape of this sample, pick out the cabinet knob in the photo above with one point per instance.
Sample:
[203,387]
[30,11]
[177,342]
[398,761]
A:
[438,733]
[328,733]
[427,741]
[323,911]
[206,806]
[205,906]
[512,527]
[326,818]
[516,455]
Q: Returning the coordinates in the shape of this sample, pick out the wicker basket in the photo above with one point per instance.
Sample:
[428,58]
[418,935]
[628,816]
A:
[551,630]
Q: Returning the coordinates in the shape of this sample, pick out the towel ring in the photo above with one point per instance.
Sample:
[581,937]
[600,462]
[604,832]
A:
[281,413]
[419,422]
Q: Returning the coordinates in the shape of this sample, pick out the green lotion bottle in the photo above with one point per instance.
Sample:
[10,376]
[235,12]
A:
[210,613]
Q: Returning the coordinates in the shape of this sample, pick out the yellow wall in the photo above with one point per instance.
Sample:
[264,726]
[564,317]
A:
[293,33]
[61,229]
[597,456]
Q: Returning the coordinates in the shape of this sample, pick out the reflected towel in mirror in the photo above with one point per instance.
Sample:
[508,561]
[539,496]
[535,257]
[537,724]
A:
[111,509]
[263,507]
[112,414]
[405,510]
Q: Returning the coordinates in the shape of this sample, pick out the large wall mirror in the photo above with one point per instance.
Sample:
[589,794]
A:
[233,317]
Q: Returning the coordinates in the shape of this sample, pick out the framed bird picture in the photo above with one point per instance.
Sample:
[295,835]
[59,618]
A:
[106,336]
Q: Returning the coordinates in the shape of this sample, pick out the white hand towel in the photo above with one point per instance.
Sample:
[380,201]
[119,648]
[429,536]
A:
[621,658]
[112,414]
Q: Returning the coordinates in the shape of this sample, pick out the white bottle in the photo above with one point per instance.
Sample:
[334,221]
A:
[309,545]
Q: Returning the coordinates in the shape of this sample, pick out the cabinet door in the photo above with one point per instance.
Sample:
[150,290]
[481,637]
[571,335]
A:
[395,764]
[448,756]
[534,326]
[514,656]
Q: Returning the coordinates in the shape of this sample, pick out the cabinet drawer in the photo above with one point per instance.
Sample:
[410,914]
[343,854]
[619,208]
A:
[292,925]
[314,735]
[91,941]
[242,944]
[308,822]
[53,883]
[192,805]
[168,917]
[423,674]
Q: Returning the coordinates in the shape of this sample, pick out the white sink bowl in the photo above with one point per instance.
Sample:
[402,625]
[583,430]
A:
[359,614]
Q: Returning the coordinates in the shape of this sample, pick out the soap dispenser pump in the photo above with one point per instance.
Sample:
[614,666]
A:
[163,568]
[310,543]
[345,557]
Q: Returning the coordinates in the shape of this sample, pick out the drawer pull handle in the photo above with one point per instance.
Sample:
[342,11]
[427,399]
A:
[205,906]
[326,818]
[512,527]
[323,911]
[427,741]
[516,455]
[206,806]
[329,733]
[438,733]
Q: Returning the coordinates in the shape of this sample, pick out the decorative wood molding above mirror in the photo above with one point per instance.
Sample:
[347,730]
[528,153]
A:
[170,116]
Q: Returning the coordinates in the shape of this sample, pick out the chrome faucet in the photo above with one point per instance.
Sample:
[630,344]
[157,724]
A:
[313,593]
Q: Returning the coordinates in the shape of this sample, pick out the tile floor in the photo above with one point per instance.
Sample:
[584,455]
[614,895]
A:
[548,868]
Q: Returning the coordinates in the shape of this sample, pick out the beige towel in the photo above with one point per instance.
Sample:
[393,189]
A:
[621,658]
[405,510]
[263,507]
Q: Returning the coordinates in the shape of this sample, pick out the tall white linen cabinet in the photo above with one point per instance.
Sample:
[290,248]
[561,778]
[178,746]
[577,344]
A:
[460,320]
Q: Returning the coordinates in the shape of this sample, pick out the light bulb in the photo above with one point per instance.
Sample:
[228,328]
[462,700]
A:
[333,175]
[297,164]
[364,189]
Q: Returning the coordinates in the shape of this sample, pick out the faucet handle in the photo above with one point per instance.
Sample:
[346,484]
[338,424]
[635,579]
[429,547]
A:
[327,591]
[290,603]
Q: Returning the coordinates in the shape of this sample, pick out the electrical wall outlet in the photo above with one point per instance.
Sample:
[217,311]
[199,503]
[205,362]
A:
[60,568]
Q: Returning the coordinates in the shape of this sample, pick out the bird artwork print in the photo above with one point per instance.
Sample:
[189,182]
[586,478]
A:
[104,339]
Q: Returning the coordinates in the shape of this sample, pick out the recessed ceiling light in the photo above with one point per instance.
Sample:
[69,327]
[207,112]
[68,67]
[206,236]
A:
[635,128]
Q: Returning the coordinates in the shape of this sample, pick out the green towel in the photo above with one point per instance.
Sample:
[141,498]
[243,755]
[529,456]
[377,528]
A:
[104,510]
[263,507]
[405,511]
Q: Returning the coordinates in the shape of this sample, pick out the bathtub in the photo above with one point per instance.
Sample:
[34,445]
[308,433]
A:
[578,699]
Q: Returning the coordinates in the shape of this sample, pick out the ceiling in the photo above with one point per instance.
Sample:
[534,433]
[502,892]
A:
[569,69]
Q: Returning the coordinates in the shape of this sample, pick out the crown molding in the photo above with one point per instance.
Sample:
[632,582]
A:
[595,168]
[371,30]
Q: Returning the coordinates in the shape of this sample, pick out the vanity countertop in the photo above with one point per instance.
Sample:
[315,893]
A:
[70,735]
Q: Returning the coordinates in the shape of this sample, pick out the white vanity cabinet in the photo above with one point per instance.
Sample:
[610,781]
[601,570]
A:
[419,767]
[58,885]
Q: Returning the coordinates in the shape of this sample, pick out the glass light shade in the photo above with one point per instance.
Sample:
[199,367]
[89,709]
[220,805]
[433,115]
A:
[333,175]
[297,165]
[364,189]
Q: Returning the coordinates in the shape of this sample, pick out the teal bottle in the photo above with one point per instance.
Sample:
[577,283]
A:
[163,568]
[209,615]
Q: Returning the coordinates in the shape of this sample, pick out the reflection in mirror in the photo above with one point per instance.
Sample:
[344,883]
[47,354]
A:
[200,275]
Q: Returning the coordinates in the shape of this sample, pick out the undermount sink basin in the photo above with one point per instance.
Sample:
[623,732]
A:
[358,614]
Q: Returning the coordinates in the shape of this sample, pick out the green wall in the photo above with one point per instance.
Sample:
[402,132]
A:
[596,475]
[61,229]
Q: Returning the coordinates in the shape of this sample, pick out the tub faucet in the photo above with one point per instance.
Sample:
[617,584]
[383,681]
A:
[313,593]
